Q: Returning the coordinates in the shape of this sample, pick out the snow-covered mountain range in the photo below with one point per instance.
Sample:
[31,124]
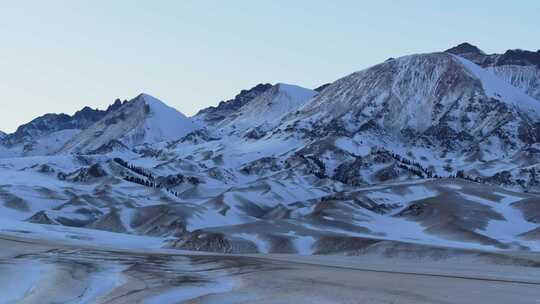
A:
[432,149]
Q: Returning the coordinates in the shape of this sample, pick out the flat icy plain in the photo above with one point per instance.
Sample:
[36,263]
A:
[46,271]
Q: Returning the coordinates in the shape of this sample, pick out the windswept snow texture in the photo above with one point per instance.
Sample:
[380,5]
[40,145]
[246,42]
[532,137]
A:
[526,78]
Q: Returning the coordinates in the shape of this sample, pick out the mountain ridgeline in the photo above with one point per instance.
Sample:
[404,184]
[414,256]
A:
[438,148]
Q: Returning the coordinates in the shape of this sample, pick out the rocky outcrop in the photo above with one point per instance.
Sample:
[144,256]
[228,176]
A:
[109,222]
[50,123]
[83,175]
[213,115]
[510,57]
[213,242]
[41,217]
[113,145]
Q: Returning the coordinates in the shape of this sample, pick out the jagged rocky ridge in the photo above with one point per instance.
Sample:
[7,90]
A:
[428,149]
[46,134]
[50,123]
[521,68]
[213,115]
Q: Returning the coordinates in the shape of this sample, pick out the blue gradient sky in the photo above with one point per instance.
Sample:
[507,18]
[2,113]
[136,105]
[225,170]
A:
[58,56]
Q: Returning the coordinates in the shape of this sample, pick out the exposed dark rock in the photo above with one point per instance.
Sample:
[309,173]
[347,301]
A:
[109,222]
[96,171]
[446,136]
[113,145]
[255,133]
[50,123]
[85,174]
[145,151]
[529,133]
[341,244]
[161,220]
[196,137]
[413,210]
[503,178]
[213,242]
[171,181]
[519,57]
[261,166]
[44,168]
[277,212]
[349,173]
[465,48]
[389,173]
[41,217]
[226,108]
[510,57]
[322,87]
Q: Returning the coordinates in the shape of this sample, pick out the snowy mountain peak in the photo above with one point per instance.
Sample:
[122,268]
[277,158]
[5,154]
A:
[143,120]
[415,89]
[150,100]
[165,122]
[158,107]
[296,92]
[269,107]
[2,135]
[407,92]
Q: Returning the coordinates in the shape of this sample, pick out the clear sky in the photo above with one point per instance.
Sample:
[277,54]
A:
[58,56]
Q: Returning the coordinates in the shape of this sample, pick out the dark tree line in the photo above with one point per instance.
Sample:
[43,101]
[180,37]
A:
[412,166]
[150,184]
[150,181]
[422,172]
[138,170]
